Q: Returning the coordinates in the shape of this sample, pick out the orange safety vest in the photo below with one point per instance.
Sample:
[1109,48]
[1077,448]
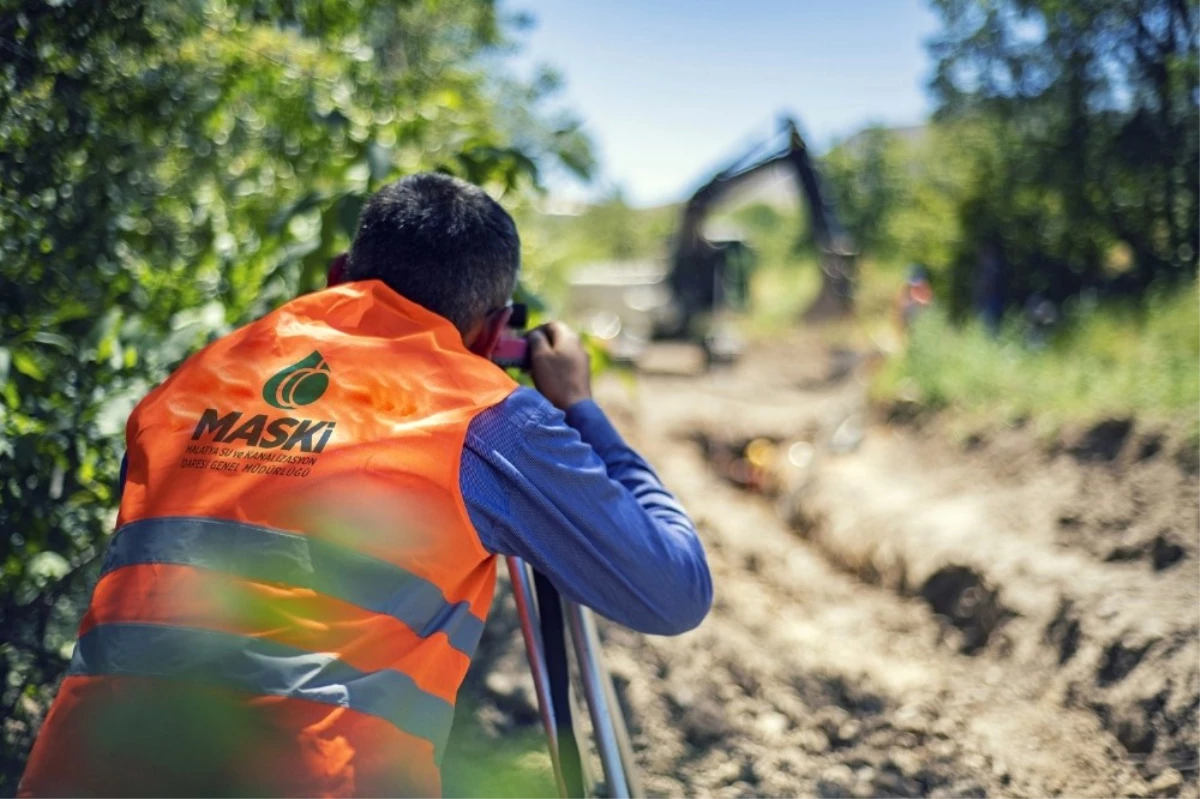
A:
[294,589]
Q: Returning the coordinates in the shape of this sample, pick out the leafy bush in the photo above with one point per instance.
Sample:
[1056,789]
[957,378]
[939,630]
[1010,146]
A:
[1110,360]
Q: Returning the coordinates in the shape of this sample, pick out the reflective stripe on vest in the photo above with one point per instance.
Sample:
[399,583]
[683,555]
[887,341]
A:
[259,666]
[274,556]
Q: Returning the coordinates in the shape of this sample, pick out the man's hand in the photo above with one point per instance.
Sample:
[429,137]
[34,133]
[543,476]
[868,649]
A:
[559,365]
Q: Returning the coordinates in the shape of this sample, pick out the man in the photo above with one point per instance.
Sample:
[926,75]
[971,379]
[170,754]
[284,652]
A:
[305,551]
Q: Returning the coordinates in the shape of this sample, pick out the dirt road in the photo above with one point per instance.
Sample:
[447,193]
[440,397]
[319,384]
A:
[899,613]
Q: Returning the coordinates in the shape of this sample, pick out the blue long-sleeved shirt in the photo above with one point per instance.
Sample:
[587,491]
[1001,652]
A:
[564,492]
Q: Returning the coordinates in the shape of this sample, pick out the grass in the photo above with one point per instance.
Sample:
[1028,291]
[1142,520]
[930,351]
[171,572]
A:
[780,291]
[481,765]
[1107,361]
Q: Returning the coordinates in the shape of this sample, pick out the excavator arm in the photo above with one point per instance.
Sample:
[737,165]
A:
[696,263]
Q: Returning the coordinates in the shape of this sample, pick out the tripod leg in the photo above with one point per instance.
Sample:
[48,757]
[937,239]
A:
[558,676]
[587,655]
[622,735]
[523,594]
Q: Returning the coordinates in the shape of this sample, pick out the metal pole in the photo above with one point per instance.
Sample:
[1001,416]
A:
[622,734]
[523,594]
[587,656]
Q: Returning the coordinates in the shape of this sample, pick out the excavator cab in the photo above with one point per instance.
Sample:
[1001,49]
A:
[703,305]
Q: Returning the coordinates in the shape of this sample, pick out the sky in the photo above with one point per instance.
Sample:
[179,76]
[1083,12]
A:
[672,89]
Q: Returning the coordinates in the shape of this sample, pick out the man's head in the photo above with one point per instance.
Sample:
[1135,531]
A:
[444,244]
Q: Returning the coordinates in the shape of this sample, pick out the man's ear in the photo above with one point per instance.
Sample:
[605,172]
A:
[337,271]
[483,339]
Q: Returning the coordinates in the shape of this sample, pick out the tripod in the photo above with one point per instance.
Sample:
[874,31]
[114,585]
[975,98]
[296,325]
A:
[542,627]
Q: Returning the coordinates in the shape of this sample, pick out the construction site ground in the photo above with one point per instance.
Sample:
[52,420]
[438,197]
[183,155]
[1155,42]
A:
[900,610]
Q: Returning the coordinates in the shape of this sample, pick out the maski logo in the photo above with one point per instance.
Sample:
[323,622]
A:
[299,384]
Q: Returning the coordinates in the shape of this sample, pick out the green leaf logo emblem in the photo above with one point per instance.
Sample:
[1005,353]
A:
[299,384]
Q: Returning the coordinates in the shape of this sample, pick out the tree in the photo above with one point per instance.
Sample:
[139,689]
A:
[169,170]
[1090,108]
[900,193]
[867,179]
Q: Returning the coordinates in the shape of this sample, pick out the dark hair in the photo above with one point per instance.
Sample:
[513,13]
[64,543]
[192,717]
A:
[440,242]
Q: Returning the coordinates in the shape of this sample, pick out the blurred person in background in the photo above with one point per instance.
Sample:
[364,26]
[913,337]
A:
[915,296]
[311,511]
[1041,316]
[991,286]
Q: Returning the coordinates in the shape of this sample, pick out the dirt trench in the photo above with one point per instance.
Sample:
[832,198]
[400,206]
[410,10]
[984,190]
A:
[898,614]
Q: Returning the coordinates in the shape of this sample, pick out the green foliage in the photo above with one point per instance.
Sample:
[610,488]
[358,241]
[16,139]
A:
[170,170]
[785,276]
[477,764]
[1064,153]
[868,182]
[1115,360]
[778,234]
[609,230]
[613,226]
[1093,105]
[899,193]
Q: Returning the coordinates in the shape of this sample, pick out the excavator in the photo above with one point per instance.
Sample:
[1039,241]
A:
[699,266]
[706,277]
